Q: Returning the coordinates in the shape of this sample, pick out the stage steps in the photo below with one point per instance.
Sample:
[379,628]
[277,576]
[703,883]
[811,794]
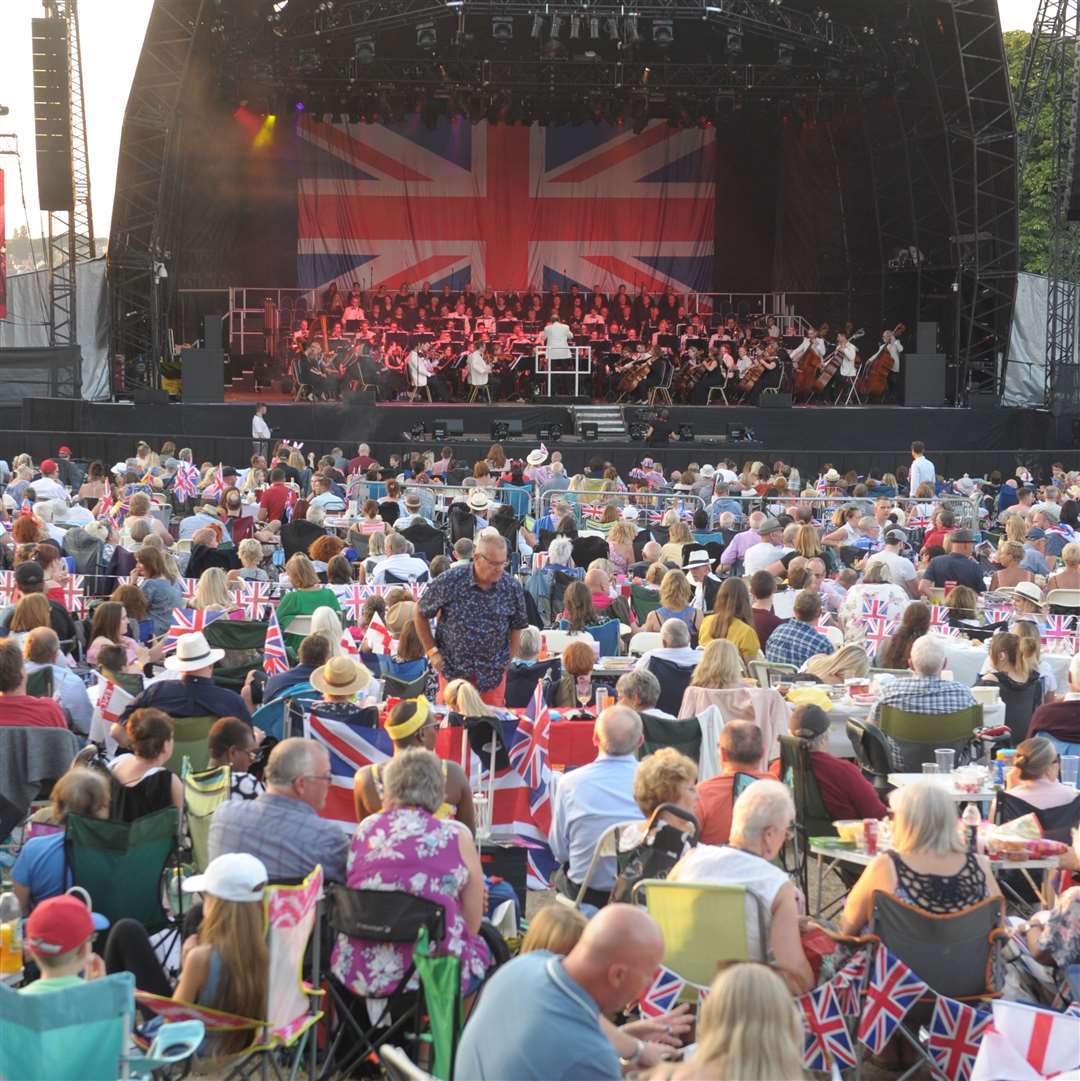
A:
[608,419]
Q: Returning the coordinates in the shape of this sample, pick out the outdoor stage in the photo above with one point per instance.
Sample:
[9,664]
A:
[872,438]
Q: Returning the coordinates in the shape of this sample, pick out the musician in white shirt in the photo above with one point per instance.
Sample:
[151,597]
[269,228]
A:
[479,369]
[848,353]
[422,373]
[353,312]
[558,338]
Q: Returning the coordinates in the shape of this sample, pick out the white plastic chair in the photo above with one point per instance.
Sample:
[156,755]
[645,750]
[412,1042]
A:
[643,641]
[556,641]
[1067,598]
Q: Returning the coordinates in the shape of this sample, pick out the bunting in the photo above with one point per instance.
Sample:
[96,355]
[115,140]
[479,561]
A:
[827,1037]
[956,1030]
[888,995]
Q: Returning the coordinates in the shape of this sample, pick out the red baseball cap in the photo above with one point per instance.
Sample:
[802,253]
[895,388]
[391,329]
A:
[61,924]
[64,450]
[48,466]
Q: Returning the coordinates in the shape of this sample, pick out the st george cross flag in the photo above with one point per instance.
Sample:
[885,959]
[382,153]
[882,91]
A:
[662,994]
[827,1037]
[378,638]
[275,659]
[187,621]
[956,1030]
[351,747]
[112,700]
[1026,1043]
[889,994]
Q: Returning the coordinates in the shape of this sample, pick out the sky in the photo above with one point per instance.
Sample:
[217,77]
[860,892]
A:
[112,33]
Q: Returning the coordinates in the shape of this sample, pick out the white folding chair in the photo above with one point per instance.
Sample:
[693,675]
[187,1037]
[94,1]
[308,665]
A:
[643,641]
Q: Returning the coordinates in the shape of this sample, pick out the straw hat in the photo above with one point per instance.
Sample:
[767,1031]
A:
[536,457]
[478,500]
[340,677]
[192,653]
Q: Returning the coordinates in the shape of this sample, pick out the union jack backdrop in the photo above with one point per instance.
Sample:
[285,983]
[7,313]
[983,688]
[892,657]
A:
[505,206]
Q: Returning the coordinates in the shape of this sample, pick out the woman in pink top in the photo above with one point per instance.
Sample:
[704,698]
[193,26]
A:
[1034,775]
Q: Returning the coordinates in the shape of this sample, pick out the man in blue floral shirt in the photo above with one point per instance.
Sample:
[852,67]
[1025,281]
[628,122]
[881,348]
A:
[481,613]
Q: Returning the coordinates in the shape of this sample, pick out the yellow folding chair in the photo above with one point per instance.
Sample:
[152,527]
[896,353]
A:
[204,791]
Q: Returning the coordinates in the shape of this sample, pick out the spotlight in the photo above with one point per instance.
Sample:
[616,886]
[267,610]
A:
[637,431]
[630,28]
[611,24]
[537,25]
[502,29]
[686,433]
[589,431]
[549,434]
[364,50]
[575,26]
[426,37]
[663,32]
[594,26]
[784,54]
[556,25]
[500,431]
[734,42]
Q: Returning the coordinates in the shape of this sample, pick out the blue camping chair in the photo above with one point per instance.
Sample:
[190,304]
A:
[84,1034]
[270,716]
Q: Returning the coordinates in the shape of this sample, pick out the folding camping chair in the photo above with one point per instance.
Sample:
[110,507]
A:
[190,735]
[83,1033]
[290,913]
[660,848]
[243,641]
[916,736]
[812,818]
[271,716]
[204,792]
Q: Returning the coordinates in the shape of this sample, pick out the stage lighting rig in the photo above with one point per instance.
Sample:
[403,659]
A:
[663,32]
[426,38]
[500,431]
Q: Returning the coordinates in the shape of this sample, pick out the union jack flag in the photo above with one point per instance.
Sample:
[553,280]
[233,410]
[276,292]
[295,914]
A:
[528,754]
[118,511]
[848,984]
[351,747]
[999,614]
[888,995]
[189,586]
[956,1031]
[104,504]
[73,595]
[186,482]
[217,485]
[351,598]
[939,618]
[275,659]
[878,631]
[827,1037]
[491,205]
[187,621]
[255,598]
[1058,627]
[662,993]
[8,588]
[875,608]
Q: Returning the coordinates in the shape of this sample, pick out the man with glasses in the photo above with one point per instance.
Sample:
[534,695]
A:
[282,827]
[481,613]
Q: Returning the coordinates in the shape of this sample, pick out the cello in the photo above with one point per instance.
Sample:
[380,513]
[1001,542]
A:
[831,364]
[807,372]
[752,374]
[874,377]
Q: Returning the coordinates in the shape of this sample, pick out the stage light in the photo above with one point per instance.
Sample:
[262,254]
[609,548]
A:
[594,26]
[549,433]
[686,433]
[438,431]
[785,53]
[556,25]
[500,431]
[637,431]
[630,28]
[575,26]
[266,133]
[502,29]
[417,430]
[299,107]
[663,32]
[426,37]
[364,50]
[537,25]
[589,431]
[734,42]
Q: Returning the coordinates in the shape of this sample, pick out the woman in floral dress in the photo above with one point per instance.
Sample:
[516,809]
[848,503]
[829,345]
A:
[405,847]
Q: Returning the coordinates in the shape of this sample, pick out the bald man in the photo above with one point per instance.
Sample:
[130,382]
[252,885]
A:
[553,1030]
[592,798]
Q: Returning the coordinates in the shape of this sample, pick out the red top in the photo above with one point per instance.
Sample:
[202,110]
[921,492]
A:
[360,463]
[22,711]
[845,791]
[713,810]
[935,536]
[1060,719]
[765,622]
[275,499]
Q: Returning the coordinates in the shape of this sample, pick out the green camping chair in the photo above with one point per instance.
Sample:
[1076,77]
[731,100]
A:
[812,818]
[243,641]
[440,978]
[83,1033]
[917,735]
[204,792]
[120,864]
[684,735]
[190,735]
[39,684]
[643,601]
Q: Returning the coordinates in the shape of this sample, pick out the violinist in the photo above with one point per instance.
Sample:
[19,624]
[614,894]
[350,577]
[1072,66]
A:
[301,337]
[480,366]
[421,373]
[713,376]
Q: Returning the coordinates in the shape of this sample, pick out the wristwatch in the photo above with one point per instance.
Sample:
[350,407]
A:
[635,1058]
[434,649]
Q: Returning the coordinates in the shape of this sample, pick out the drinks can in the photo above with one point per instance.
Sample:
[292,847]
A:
[870,836]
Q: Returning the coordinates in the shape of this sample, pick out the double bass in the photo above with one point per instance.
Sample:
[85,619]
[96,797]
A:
[635,373]
[831,364]
[874,376]
[807,371]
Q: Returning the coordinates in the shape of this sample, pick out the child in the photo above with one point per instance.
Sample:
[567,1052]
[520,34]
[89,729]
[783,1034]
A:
[58,935]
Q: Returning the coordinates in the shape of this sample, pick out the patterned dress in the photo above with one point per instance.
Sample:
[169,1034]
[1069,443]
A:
[406,849]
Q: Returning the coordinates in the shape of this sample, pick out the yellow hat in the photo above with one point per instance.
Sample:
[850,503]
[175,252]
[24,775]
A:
[404,729]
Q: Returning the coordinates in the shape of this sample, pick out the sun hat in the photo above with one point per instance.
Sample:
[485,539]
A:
[478,500]
[61,924]
[1029,591]
[407,727]
[412,499]
[536,457]
[708,471]
[697,558]
[831,476]
[1035,533]
[193,653]
[233,876]
[630,513]
[340,676]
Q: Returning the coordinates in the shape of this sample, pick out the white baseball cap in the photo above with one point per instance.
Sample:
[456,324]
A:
[234,876]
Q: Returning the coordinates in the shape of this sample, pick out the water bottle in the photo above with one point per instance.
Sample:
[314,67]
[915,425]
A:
[11,955]
[971,819]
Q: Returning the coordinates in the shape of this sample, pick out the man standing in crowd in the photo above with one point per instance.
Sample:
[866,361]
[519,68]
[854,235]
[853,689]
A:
[922,469]
[260,432]
[481,612]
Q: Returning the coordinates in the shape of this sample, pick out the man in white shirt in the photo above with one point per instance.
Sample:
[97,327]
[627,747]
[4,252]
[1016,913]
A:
[260,432]
[421,372]
[325,496]
[901,569]
[413,512]
[922,469]
[765,555]
[399,563]
[558,338]
[47,486]
[674,646]
[479,369]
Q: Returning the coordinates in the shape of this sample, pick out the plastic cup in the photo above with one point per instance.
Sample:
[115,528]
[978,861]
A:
[946,759]
[930,768]
[1070,769]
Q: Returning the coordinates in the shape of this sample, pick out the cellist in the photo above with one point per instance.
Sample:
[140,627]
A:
[806,357]
[894,347]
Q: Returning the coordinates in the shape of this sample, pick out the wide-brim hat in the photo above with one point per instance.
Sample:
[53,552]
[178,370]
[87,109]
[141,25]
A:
[340,676]
[1029,591]
[831,476]
[708,471]
[697,558]
[479,500]
[192,653]
[536,457]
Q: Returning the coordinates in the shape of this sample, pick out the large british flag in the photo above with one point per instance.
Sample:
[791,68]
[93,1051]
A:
[506,206]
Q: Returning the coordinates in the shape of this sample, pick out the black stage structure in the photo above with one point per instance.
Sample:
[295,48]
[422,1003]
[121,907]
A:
[869,150]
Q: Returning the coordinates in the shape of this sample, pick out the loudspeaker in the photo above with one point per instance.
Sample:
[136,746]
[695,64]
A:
[924,378]
[589,431]
[444,428]
[774,401]
[202,375]
[148,396]
[214,327]
[926,338]
[52,113]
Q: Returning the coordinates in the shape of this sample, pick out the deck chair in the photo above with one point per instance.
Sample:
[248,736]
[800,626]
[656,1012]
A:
[521,680]
[399,688]
[381,916]
[871,748]
[702,926]
[39,684]
[812,818]
[243,641]
[643,601]
[440,981]
[607,635]
[204,791]
[1057,822]
[290,914]
[34,759]
[83,1033]
[684,735]
[915,736]
[121,864]
[958,956]
[190,735]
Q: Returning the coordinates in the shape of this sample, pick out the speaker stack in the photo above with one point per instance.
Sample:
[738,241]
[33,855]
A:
[52,114]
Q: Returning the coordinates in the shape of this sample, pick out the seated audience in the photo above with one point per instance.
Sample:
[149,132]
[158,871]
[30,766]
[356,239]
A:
[928,866]
[42,651]
[162,594]
[914,623]
[639,690]
[763,589]
[925,691]
[798,639]
[307,594]
[848,662]
[1034,776]
[405,847]
[674,646]
[760,822]
[59,938]
[233,743]
[17,708]
[282,827]
[340,682]
[142,783]
[676,602]
[575,687]
[732,618]
[741,751]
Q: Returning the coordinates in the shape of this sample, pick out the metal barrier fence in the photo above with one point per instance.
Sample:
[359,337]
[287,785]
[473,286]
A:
[965,512]
[651,505]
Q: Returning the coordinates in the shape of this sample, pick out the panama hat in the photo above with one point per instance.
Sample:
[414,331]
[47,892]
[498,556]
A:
[478,500]
[193,653]
[340,676]
[536,457]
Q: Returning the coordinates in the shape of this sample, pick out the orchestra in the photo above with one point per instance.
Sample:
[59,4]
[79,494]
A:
[445,344]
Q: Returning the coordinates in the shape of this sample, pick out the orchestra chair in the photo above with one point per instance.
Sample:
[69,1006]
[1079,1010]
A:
[474,392]
[662,390]
[851,391]
[716,390]
[303,391]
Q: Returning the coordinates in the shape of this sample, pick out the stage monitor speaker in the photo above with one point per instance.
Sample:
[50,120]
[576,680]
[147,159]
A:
[589,431]
[149,396]
[202,375]
[1072,207]
[214,327]
[926,338]
[52,113]
[924,378]
[447,428]
[774,401]
[502,430]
